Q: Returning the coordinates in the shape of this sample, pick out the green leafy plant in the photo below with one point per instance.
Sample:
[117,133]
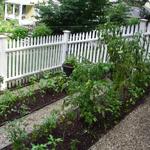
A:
[51,121]
[41,30]
[133,21]
[48,124]
[17,135]
[85,71]
[61,83]
[130,63]
[91,84]
[92,99]
[43,85]
[74,144]
[7,100]
[51,141]
[49,74]
[33,79]
[11,102]
[117,14]
[23,110]
[8,26]
[72,61]
[19,32]
[31,89]
[57,83]
[1,9]
[30,93]
[39,147]
[54,141]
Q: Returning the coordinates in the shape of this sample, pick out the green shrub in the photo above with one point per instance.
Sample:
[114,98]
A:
[41,30]
[92,86]
[19,32]
[130,63]
[8,26]
[117,14]
[94,97]
[86,71]
[2,9]
[133,21]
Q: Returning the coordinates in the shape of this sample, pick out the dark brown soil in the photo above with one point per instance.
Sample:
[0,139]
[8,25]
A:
[78,131]
[37,101]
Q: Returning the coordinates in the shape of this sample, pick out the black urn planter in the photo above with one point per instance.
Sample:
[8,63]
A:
[68,69]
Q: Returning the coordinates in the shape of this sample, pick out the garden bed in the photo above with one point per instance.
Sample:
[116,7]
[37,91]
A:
[76,133]
[18,103]
[32,105]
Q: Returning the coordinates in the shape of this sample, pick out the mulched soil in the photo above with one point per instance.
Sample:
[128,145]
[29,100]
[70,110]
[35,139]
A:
[31,104]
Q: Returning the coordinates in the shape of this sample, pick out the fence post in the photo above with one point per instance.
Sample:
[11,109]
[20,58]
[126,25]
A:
[65,44]
[3,61]
[143,24]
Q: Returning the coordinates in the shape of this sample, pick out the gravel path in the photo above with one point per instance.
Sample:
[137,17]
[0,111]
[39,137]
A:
[132,133]
[30,120]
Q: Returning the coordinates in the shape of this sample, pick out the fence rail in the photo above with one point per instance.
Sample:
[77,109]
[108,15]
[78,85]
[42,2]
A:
[24,57]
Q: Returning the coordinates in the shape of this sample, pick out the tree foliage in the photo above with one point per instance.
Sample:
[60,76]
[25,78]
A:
[117,14]
[1,9]
[74,15]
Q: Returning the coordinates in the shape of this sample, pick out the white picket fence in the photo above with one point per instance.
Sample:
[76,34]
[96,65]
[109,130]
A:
[24,57]
[87,45]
